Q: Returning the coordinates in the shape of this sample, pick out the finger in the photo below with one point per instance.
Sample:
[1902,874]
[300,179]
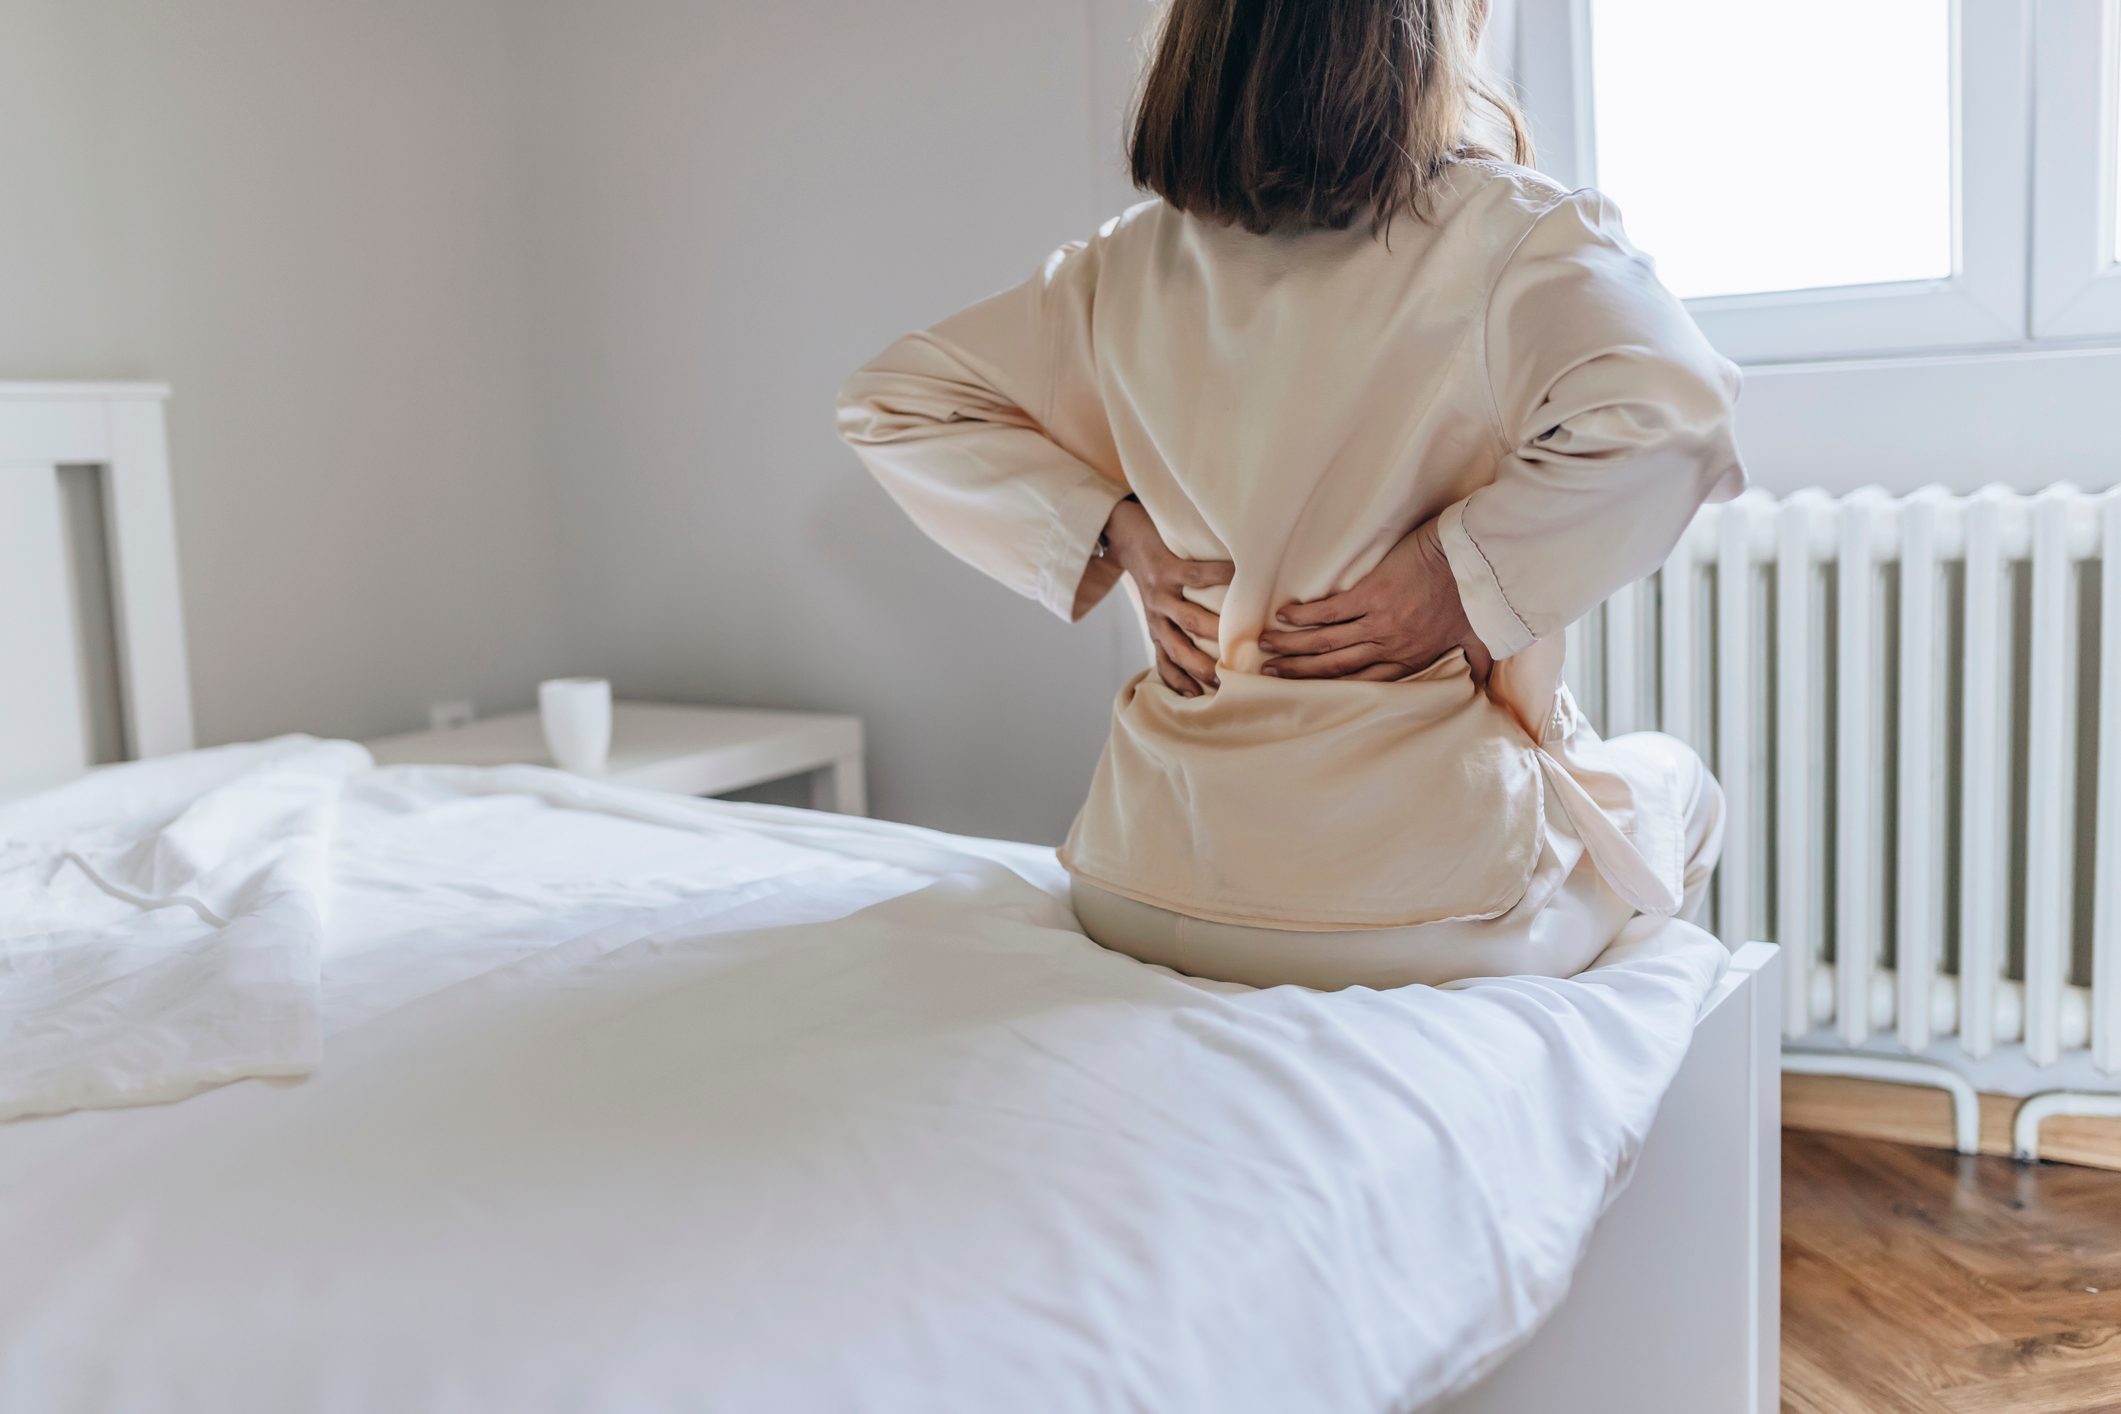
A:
[1315,640]
[1174,676]
[1200,574]
[1337,664]
[1183,651]
[1201,623]
[1333,609]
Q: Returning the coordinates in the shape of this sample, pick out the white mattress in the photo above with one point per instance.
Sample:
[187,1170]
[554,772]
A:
[630,1103]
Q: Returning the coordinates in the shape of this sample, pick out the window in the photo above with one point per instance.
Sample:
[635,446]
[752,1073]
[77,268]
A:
[1823,179]
[2077,170]
[1794,206]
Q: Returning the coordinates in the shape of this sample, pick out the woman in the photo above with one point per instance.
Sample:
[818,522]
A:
[1366,416]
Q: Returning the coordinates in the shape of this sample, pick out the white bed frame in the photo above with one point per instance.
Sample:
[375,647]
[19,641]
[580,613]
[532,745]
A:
[48,713]
[1674,1311]
[1677,1307]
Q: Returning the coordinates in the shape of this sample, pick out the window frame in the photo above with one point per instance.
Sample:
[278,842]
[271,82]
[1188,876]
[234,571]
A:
[1984,300]
[2076,277]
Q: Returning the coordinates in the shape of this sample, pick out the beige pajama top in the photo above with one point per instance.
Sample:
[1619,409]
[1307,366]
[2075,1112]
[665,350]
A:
[1295,403]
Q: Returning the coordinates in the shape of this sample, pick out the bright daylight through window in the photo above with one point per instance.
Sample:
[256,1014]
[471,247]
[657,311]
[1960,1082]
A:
[1798,145]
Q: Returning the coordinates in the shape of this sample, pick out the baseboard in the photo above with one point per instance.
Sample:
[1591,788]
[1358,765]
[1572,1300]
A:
[1917,1114]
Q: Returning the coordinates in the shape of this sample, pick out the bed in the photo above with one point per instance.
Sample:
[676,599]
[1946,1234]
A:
[555,1096]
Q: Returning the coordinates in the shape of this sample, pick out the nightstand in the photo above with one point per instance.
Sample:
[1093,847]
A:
[689,750]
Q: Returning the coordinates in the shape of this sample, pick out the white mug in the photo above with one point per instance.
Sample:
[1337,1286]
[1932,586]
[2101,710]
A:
[576,714]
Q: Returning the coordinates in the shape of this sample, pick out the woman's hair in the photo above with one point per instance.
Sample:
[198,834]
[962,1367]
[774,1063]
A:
[1279,114]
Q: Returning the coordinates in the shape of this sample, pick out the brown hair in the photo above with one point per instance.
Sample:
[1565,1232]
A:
[1278,114]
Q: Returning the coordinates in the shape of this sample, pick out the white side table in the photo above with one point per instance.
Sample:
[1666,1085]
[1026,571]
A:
[689,750]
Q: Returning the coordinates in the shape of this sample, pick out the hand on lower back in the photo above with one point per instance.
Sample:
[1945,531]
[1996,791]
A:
[1397,620]
[1162,577]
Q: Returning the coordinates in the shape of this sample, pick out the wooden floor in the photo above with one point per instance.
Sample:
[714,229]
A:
[1915,1281]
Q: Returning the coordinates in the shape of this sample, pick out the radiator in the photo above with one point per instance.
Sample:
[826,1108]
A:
[1914,706]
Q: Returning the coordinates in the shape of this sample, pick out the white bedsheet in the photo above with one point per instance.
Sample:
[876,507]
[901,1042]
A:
[161,925]
[634,1103]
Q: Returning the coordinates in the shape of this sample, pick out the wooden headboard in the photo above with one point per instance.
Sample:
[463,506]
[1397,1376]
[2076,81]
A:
[92,664]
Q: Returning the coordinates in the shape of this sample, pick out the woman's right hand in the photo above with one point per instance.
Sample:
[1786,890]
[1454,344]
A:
[1161,577]
[1396,621]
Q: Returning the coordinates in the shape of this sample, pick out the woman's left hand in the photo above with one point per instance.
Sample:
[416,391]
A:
[1396,621]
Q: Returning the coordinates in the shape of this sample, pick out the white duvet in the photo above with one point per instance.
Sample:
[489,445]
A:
[619,1102]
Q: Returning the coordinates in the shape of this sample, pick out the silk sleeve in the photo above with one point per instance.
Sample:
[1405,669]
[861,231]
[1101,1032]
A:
[1616,417]
[988,431]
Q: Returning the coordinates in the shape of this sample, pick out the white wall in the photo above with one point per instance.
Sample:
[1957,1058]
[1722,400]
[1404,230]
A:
[730,207]
[505,335]
[2022,419]
[301,214]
